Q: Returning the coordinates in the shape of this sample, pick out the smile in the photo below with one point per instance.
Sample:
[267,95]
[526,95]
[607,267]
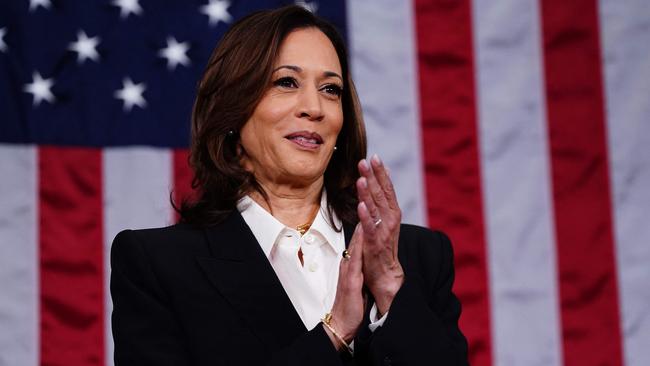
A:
[306,140]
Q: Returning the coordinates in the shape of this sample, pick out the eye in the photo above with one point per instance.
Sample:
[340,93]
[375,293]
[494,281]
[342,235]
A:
[286,82]
[333,89]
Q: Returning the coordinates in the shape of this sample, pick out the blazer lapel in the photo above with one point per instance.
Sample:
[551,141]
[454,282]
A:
[241,273]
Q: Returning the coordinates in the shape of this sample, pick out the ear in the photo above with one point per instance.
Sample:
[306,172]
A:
[243,158]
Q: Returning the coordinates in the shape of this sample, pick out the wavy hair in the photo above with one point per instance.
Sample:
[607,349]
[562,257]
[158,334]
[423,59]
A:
[236,77]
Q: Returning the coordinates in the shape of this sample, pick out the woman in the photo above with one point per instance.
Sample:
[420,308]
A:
[257,272]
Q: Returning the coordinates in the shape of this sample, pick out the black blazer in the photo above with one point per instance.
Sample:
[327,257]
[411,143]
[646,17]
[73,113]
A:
[188,296]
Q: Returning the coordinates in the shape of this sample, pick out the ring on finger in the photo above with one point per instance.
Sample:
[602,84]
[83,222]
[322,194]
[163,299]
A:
[377,222]
[346,254]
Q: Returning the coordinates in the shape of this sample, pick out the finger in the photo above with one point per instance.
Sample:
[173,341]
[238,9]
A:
[352,248]
[383,178]
[375,189]
[366,221]
[364,196]
[356,251]
[350,269]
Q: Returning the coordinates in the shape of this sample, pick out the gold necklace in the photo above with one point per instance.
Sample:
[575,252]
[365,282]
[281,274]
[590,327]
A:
[302,229]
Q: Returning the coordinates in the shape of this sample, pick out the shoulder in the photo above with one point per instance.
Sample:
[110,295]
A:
[164,242]
[424,251]
[424,239]
[415,232]
[160,235]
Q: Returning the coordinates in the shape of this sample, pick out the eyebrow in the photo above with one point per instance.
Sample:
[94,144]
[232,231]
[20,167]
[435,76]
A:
[299,69]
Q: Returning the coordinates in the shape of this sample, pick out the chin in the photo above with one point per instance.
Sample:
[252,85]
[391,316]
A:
[306,170]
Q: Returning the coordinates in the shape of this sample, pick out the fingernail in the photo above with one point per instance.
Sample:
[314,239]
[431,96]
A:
[364,182]
[388,172]
[376,159]
[364,164]
[362,205]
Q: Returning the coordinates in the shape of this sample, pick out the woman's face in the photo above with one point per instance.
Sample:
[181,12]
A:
[291,135]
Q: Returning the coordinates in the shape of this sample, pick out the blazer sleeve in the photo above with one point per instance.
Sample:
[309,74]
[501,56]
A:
[422,323]
[146,332]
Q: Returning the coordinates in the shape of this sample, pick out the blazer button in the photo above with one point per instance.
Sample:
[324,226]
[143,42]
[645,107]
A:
[388,361]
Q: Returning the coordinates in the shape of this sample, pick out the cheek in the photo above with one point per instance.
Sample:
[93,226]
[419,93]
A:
[337,123]
[262,127]
[270,111]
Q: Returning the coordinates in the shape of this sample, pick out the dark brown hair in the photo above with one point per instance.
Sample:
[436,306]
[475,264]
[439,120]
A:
[237,76]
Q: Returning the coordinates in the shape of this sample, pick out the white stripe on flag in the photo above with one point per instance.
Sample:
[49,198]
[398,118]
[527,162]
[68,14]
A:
[383,51]
[516,179]
[625,37]
[137,182]
[19,303]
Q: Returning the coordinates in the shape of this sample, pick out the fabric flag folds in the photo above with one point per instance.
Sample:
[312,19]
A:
[518,127]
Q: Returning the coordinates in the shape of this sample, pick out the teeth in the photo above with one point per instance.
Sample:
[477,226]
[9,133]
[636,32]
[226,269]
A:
[301,138]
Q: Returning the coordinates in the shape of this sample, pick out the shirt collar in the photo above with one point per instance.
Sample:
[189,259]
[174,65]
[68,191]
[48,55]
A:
[267,228]
[324,227]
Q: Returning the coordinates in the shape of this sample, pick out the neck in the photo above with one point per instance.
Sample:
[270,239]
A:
[292,206]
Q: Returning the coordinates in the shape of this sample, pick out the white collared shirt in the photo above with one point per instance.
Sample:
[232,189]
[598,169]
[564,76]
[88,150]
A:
[311,286]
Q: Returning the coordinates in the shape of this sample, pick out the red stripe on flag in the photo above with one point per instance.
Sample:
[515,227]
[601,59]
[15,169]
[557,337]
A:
[71,256]
[452,172]
[182,177]
[581,192]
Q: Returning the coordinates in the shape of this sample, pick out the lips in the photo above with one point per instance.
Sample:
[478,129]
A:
[305,139]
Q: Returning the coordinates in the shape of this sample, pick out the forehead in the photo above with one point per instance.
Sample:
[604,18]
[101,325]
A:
[310,49]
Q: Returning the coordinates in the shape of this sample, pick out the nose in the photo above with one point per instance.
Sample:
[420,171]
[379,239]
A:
[309,105]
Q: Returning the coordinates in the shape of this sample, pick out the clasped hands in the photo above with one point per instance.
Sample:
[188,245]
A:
[373,252]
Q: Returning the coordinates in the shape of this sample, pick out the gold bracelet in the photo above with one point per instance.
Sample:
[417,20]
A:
[326,322]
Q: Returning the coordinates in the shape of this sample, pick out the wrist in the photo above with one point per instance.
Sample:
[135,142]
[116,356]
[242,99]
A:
[385,294]
[335,341]
[341,340]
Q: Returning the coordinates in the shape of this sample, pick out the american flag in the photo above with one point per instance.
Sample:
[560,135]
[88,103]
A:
[519,127]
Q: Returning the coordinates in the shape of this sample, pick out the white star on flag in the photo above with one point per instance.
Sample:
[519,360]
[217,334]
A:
[3,45]
[131,94]
[40,89]
[311,6]
[217,10]
[85,47]
[127,7]
[33,4]
[175,53]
